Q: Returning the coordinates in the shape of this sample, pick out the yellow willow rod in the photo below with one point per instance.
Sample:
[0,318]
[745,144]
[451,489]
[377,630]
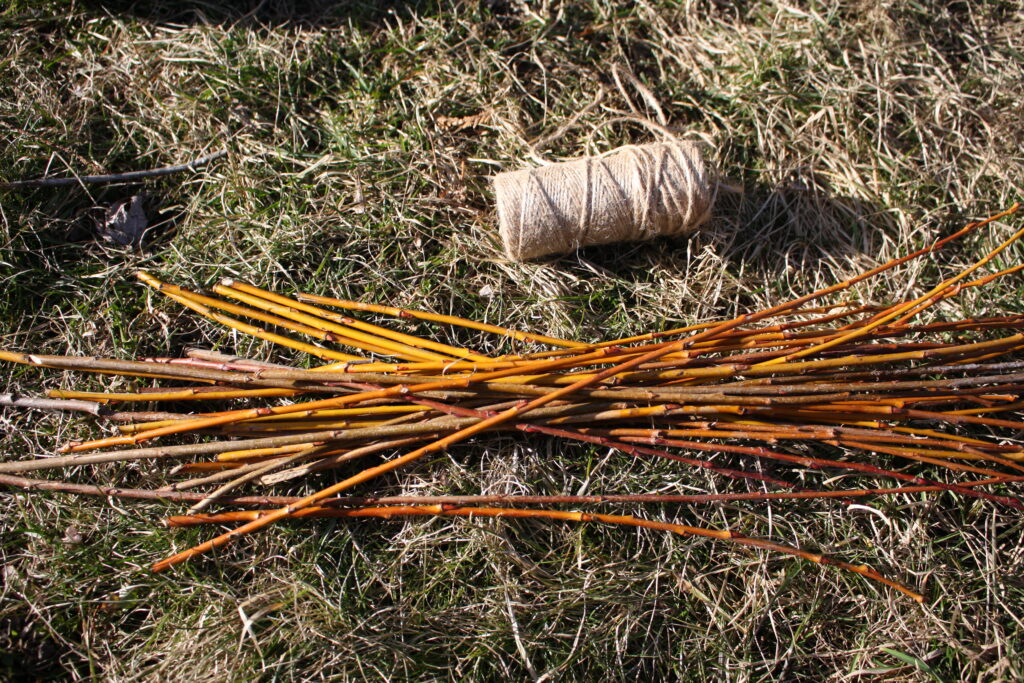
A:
[912,305]
[933,457]
[203,305]
[233,456]
[940,435]
[343,412]
[1016,405]
[204,467]
[978,358]
[439,318]
[325,335]
[301,311]
[356,337]
[307,425]
[234,309]
[249,427]
[880,427]
[898,414]
[821,434]
[311,414]
[227,321]
[234,288]
[169,395]
[401,410]
[876,431]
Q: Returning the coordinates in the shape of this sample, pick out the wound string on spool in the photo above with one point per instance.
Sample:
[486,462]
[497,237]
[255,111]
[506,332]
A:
[636,192]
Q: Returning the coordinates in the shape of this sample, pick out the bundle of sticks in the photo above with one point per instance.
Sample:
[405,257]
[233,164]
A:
[897,397]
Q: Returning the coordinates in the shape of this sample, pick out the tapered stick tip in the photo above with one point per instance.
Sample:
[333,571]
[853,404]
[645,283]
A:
[145,277]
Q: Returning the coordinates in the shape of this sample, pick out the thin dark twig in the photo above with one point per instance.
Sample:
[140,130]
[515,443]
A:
[115,177]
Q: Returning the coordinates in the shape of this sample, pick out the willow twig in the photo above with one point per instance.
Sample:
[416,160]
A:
[128,177]
[478,499]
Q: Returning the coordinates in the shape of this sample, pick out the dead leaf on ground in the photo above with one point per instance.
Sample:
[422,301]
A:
[125,222]
[72,536]
[457,123]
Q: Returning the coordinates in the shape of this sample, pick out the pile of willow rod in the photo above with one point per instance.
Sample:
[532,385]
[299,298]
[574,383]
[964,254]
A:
[861,377]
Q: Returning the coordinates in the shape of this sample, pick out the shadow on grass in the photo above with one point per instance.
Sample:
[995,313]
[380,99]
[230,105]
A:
[27,653]
[278,13]
[789,238]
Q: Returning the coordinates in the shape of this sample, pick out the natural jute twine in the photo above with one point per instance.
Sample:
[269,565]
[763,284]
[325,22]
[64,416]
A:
[635,192]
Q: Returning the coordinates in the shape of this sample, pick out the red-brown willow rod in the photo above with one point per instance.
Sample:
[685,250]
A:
[905,407]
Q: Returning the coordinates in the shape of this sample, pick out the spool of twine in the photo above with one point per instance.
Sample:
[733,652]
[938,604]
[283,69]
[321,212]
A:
[636,192]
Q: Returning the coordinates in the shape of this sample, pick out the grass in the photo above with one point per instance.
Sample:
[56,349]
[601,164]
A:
[858,130]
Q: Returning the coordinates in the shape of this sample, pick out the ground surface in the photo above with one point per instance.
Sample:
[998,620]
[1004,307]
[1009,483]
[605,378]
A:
[360,139]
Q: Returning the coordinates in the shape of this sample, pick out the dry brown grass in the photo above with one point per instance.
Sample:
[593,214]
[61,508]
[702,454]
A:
[857,130]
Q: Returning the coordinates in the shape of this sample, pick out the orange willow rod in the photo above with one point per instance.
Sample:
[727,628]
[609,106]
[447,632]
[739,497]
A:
[620,520]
